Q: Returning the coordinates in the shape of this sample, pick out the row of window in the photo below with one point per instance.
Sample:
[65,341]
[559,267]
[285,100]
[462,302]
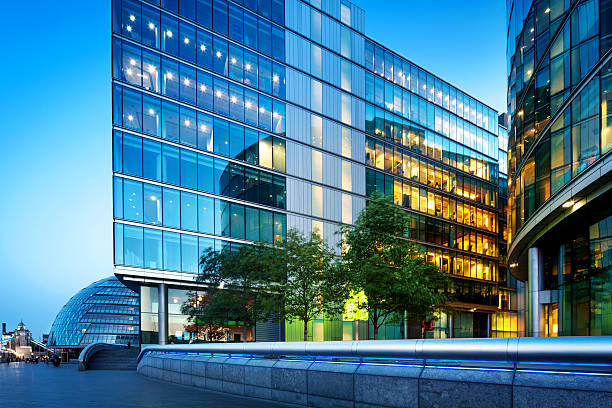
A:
[399,71]
[109,318]
[393,128]
[574,142]
[196,129]
[418,110]
[419,199]
[141,67]
[114,309]
[161,30]
[141,112]
[169,164]
[401,163]
[152,204]
[151,248]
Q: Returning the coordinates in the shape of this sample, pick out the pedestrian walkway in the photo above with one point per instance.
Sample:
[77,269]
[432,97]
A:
[41,385]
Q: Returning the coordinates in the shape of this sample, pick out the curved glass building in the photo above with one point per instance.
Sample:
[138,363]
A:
[105,311]
[559,163]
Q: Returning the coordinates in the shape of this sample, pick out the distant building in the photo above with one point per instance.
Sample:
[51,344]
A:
[105,311]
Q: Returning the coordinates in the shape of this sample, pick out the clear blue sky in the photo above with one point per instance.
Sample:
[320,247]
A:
[56,208]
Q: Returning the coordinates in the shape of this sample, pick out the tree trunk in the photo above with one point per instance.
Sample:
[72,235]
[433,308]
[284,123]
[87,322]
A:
[305,330]
[375,332]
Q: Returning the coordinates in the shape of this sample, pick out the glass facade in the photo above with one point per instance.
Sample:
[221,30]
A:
[559,77]
[234,121]
[105,311]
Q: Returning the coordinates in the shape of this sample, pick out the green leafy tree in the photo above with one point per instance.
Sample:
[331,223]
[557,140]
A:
[238,288]
[389,270]
[310,283]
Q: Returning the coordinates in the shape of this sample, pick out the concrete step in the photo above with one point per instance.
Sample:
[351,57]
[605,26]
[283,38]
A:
[115,359]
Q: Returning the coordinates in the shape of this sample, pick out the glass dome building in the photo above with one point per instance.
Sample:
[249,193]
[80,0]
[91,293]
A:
[105,311]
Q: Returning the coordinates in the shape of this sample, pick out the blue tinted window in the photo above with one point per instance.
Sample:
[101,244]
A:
[280,227]
[151,163]
[118,197]
[118,236]
[169,34]
[221,177]
[237,141]
[189,253]
[236,181]
[188,169]
[221,137]
[206,215]
[265,37]
[171,5]
[151,67]
[117,58]
[252,224]
[187,9]
[188,84]
[151,26]
[204,13]
[236,98]
[264,7]
[252,4]
[172,251]
[265,74]
[117,151]
[188,125]
[205,173]
[251,68]
[171,211]
[132,109]
[278,117]
[251,107]
[220,51]
[278,11]
[235,62]
[189,211]
[170,121]
[278,43]
[266,226]
[237,221]
[187,42]
[204,50]
[251,185]
[235,23]
[132,200]
[222,218]
[250,30]
[132,245]
[265,113]
[220,16]
[221,99]
[117,105]
[131,64]
[204,244]
[131,19]
[170,164]
[205,91]
[151,114]
[132,155]
[278,80]
[152,204]
[251,142]
[205,132]
[170,78]
[152,248]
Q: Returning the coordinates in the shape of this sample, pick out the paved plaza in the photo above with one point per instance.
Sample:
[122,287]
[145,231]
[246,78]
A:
[40,385]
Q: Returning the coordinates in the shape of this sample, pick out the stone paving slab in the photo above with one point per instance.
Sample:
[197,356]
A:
[41,385]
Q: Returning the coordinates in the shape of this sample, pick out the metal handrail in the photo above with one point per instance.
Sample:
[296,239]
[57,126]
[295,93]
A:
[92,349]
[551,350]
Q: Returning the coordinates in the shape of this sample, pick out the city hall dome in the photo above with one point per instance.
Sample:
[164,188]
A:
[105,311]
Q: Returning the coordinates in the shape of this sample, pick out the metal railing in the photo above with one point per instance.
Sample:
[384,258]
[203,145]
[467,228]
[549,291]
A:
[551,351]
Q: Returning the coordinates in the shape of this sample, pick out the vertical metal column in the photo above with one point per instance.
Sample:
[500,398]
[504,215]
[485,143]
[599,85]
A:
[534,265]
[561,290]
[451,326]
[162,313]
[488,325]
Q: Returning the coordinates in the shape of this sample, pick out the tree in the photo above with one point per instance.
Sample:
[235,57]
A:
[238,288]
[389,270]
[310,284]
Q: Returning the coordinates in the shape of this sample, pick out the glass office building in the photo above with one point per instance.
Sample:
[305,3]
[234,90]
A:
[559,163]
[105,311]
[234,121]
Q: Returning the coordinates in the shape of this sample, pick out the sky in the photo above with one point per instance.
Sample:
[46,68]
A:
[55,121]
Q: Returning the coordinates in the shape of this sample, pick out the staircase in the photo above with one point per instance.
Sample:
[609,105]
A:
[114,359]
